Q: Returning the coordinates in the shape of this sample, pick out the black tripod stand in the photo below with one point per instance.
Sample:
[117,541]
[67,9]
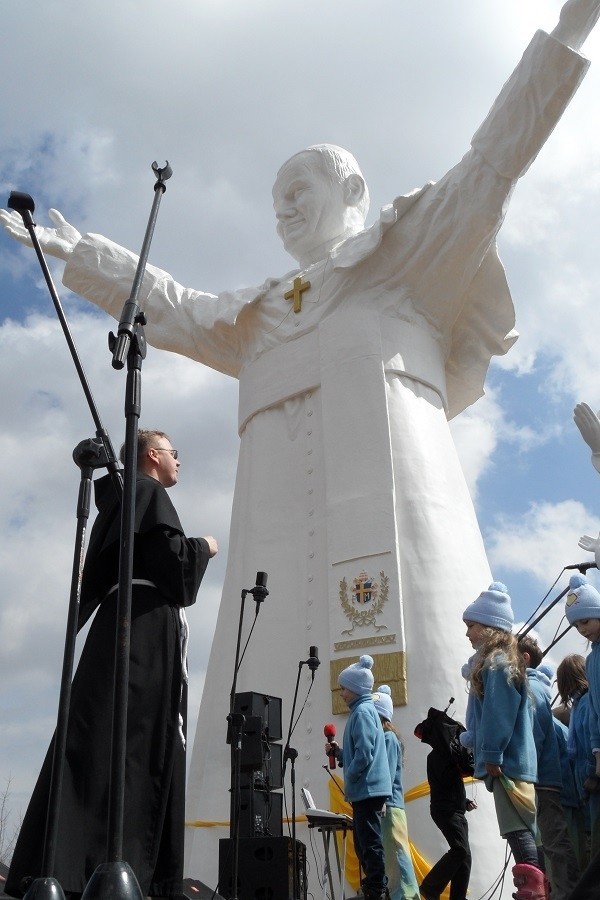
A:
[290,753]
[115,877]
[235,729]
[89,455]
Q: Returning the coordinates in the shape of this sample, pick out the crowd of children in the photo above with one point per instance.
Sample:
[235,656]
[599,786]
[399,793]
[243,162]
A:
[542,765]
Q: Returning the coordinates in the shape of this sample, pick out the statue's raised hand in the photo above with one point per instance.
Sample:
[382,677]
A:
[592,545]
[577,18]
[589,425]
[587,542]
[58,241]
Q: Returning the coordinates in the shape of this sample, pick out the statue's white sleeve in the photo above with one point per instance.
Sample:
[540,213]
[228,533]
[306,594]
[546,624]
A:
[529,105]
[198,325]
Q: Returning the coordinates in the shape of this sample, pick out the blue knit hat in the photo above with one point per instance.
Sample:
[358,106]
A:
[383,702]
[583,600]
[492,608]
[358,677]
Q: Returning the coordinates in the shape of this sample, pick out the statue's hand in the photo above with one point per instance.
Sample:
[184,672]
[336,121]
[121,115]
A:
[57,241]
[589,425]
[586,542]
[592,545]
[577,18]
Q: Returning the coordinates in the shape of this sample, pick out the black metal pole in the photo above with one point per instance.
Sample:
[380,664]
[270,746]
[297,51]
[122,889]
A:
[550,606]
[131,315]
[24,205]
[115,878]
[291,753]
[88,455]
[235,730]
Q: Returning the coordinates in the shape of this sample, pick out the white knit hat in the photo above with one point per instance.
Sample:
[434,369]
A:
[358,677]
[583,600]
[382,698]
[492,608]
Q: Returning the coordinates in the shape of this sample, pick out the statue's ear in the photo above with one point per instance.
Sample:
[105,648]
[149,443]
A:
[354,189]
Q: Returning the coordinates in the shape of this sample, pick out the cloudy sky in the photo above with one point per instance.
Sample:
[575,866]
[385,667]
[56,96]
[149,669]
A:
[93,93]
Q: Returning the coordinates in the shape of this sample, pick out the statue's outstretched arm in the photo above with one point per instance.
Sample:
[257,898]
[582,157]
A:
[577,18]
[58,241]
[589,425]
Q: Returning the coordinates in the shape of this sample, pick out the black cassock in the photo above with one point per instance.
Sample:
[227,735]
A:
[155,768]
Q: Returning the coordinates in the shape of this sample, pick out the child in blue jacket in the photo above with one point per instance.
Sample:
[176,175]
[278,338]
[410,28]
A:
[572,685]
[402,881]
[367,782]
[501,732]
[562,867]
[582,609]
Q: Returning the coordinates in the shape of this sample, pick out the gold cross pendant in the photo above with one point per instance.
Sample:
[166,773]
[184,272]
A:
[296,292]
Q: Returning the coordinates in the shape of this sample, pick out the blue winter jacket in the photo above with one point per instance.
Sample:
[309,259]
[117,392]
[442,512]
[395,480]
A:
[363,756]
[394,755]
[503,725]
[569,795]
[592,671]
[546,743]
[579,744]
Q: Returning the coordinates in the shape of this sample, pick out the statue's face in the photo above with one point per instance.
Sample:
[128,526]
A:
[309,205]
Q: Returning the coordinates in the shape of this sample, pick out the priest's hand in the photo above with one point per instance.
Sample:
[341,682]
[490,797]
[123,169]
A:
[58,241]
[213,547]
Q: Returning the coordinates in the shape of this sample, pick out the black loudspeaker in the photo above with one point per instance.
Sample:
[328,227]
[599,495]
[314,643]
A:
[254,745]
[269,777]
[265,870]
[260,813]
[265,706]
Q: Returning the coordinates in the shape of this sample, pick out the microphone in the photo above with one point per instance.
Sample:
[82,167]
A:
[329,732]
[24,205]
[583,567]
[313,662]
[259,591]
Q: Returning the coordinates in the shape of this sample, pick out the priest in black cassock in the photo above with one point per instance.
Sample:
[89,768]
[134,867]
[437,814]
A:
[167,572]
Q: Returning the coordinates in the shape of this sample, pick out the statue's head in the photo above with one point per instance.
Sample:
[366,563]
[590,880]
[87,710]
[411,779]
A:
[320,198]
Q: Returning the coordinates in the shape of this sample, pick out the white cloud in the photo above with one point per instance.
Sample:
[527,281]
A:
[532,543]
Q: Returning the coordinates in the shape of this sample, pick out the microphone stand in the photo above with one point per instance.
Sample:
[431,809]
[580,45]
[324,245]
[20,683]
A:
[335,781]
[235,729]
[114,877]
[582,568]
[292,754]
[88,455]
[529,627]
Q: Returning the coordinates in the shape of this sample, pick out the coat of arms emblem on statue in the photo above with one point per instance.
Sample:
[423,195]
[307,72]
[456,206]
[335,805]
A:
[364,600]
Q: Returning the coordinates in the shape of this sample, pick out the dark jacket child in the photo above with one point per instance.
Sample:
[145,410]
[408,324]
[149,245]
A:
[448,803]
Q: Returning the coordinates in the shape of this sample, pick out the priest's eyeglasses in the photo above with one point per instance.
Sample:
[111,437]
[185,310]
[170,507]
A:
[174,453]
